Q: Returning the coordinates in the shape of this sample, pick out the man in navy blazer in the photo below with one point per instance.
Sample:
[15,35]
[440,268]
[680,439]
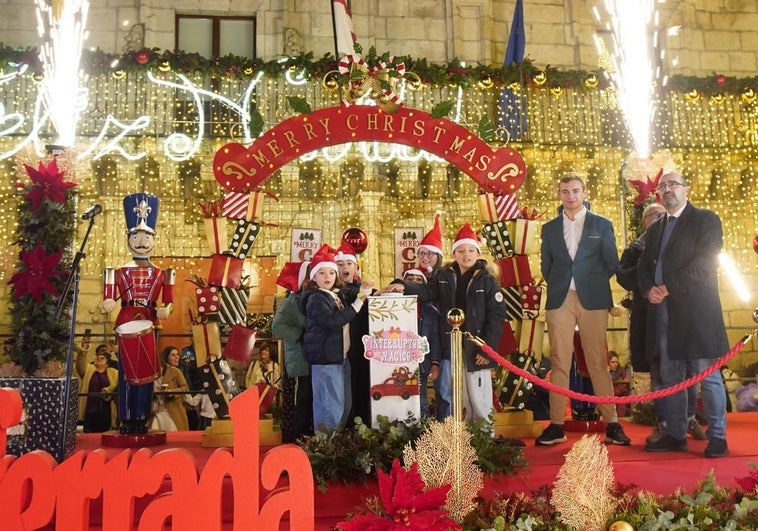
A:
[578,258]
[677,273]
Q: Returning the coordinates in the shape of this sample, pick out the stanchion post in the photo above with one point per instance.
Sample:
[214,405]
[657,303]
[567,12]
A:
[456,318]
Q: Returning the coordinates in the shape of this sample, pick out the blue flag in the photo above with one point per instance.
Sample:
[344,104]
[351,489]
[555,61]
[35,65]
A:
[517,39]
[513,104]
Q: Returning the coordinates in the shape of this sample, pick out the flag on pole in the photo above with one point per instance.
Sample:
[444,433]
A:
[512,103]
[344,36]
[517,39]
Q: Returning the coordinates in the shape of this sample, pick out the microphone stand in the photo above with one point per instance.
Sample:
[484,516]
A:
[71,281]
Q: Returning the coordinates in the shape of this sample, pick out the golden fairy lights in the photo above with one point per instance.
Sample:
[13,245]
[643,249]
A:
[574,130]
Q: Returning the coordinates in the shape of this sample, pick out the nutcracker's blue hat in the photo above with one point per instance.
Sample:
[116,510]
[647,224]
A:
[141,211]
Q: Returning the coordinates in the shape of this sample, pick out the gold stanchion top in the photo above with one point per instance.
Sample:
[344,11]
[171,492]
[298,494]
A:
[456,317]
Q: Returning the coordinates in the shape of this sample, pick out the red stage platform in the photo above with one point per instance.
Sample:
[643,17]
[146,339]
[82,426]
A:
[658,473]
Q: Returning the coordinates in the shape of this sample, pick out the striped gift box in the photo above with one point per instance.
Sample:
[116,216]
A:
[243,205]
[497,207]
[233,306]
[513,308]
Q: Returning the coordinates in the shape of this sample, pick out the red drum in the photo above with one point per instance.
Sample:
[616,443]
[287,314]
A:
[137,352]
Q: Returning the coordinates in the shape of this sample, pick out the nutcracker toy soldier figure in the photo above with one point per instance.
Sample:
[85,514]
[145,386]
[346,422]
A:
[139,284]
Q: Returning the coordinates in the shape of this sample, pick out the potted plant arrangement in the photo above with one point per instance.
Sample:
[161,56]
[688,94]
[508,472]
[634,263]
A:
[35,354]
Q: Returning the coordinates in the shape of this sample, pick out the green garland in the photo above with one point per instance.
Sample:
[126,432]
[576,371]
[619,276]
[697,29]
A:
[440,74]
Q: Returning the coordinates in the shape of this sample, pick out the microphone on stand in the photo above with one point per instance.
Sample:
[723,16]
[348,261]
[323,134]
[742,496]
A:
[92,211]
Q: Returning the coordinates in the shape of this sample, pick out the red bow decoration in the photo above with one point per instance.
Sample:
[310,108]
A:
[526,214]
[211,209]
[646,188]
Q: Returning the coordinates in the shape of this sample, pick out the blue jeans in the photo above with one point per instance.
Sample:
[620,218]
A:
[674,409]
[332,397]
[443,391]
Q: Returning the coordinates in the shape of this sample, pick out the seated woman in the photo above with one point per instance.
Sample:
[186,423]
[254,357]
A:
[747,393]
[169,411]
[97,412]
[621,382]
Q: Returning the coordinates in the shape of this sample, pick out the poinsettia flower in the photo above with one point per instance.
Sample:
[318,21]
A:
[47,181]
[34,278]
[748,483]
[408,506]
[646,188]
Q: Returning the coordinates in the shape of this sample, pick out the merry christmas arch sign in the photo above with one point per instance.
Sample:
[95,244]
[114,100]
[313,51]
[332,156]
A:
[243,169]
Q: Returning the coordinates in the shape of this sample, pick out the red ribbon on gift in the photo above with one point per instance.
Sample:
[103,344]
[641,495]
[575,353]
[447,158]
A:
[534,214]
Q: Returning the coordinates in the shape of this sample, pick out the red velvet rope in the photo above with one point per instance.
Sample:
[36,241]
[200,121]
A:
[644,397]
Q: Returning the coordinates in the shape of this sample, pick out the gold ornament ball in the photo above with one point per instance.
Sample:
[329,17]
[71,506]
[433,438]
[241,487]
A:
[556,91]
[717,98]
[165,66]
[591,80]
[456,317]
[540,78]
[248,71]
[119,74]
[749,95]
[621,525]
[330,83]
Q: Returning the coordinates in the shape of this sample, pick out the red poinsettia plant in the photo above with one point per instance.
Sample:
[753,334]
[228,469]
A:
[46,223]
[405,505]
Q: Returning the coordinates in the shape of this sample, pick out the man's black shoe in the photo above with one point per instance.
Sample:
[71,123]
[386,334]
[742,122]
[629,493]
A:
[552,434]
[716,448]
[667,443]
[614,434]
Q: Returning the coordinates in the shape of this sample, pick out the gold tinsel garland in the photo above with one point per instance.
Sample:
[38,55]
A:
[583,491]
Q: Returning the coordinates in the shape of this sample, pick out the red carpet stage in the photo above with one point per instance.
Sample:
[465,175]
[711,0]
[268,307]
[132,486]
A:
[659,473]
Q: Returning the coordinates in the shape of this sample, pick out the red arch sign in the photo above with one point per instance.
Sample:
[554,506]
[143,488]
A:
[243,169]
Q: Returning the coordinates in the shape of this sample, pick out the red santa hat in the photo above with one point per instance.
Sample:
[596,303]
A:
[346,252]
[323,258]
[466,236]
[292,275]
[416,272]
[433,239]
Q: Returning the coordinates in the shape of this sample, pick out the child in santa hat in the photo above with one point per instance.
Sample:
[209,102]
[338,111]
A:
[289,325]
[429,327]
[467,284]
[326,340]
[429,251]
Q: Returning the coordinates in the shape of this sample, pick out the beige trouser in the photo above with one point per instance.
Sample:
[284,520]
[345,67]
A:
[593,327]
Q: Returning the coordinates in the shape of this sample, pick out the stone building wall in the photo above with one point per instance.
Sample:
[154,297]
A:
[713,35]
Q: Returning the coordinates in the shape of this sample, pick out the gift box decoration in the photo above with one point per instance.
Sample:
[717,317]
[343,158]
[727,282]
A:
[226,271]
[219,383]
[207,341]
[497,207]
[215,226]
[497,238]
[531,337]
[207,300]
[531,298]
[523,233]
[243,205]
[516,389]
[266,396]
[233,307]
[240,344]
[507,344]
[513,308]
[243,238]
[515,271]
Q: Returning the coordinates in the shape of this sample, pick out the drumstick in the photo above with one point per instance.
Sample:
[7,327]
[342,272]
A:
[129,287]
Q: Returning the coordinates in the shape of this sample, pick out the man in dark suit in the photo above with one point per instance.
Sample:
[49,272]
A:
[677,273]
[578,258]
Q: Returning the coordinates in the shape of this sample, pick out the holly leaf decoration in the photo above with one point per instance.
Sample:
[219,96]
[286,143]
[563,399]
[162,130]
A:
[256,123]
[486,129]
[442,109]
[299,104]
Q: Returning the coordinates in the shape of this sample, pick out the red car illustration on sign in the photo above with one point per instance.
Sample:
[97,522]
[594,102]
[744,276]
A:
[401,384]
